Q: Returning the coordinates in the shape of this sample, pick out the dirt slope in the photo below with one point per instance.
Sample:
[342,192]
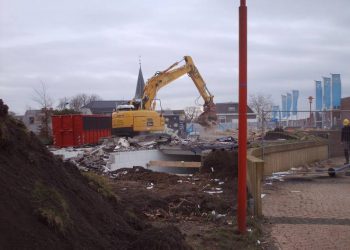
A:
[48,204]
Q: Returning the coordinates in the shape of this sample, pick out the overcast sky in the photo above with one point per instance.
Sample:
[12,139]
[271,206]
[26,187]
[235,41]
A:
[93,47]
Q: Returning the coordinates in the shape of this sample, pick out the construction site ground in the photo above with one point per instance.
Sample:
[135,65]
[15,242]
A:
[200,206]
[310,212]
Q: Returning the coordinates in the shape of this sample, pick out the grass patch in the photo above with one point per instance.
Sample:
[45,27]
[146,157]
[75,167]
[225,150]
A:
[227,237]
[50,206]
[101,185]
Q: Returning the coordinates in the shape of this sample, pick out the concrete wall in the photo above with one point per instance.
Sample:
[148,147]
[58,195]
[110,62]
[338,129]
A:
[279,158]
[129,159]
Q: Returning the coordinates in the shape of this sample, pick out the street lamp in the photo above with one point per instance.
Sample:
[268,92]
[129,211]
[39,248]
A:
[310,98]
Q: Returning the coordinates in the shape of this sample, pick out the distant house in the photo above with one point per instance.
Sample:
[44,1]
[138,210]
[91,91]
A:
[227,113]
[102,107]
[33,119]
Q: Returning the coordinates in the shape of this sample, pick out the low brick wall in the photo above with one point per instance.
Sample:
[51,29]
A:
[255,171]
[283,157]
[279,158]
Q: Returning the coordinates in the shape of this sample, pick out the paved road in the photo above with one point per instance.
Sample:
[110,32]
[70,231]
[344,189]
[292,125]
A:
[309,213]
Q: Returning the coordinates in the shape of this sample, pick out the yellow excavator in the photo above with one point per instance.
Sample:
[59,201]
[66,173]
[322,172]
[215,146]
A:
[140,116]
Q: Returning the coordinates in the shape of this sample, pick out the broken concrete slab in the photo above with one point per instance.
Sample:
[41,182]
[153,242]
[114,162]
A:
[178,164]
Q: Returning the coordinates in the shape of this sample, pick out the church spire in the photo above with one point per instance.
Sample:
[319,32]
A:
[140,83]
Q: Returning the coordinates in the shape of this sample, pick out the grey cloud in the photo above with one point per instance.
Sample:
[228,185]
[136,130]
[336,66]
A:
[93,46]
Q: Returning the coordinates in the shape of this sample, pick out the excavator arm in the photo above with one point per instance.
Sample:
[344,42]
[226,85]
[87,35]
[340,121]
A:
[161,79]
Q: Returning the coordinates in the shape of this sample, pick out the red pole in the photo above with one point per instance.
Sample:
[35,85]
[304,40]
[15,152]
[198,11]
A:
[242,123]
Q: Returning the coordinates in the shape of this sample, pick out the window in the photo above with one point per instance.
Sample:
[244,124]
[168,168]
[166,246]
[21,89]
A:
[222,119]
[31,120]
[232,109]
[149,122]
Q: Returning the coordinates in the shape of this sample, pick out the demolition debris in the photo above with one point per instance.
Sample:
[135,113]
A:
[99,158]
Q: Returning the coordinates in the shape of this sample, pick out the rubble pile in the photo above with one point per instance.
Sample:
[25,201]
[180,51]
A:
[95,159]
[98,158]
[198,145]
[280,134]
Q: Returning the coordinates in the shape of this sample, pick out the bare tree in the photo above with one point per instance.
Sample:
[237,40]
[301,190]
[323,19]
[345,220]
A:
[192,113]
[44,100]
[80,100]
[62,103]
[261,104]
[42,97]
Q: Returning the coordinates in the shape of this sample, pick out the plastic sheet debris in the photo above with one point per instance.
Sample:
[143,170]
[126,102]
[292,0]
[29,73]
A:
[150,186]
[213,191]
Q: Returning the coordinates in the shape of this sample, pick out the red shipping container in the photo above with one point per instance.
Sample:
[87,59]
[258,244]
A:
[77,130]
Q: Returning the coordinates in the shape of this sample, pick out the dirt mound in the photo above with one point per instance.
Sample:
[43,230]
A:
[48,204]
[276,135]
[142,174]
[3,109]
[160,239]
[221,164]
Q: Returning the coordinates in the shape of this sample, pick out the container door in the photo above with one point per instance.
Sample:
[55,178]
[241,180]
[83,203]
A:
[67,131]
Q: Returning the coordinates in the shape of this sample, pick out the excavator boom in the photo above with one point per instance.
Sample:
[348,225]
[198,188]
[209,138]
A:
[161,79]
[141,117]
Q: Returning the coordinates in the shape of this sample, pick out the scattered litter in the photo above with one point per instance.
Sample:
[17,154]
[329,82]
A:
[249,230]
[150,186]
[221,183]
[123,143]
[218,216]
[258,242]
[263,195]
[212,169]
[179,181]
[213,192]
[295,191]
[277,178]
[281,173]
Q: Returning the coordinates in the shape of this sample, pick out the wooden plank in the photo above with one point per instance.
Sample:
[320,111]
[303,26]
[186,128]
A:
[177,164]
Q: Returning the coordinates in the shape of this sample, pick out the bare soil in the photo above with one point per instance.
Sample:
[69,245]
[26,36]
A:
[48,204]
[206,219]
